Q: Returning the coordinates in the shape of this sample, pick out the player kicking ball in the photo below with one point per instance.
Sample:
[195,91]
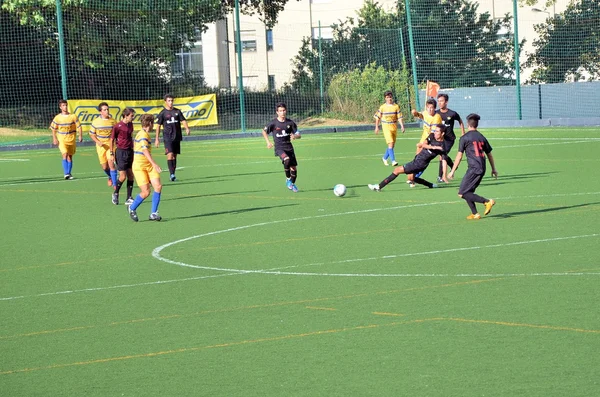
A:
[428,150]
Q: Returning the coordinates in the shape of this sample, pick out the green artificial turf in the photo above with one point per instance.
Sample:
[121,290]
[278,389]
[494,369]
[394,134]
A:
[248,289]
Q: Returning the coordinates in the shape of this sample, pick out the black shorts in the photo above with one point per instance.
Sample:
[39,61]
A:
[470,182]
[414,167]
[124,158]
[287,153]
[172,147]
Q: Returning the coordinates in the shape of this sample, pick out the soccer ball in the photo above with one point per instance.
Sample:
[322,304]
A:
[339,190]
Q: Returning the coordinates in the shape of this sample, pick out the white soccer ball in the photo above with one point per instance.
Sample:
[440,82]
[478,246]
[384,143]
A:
[339,190]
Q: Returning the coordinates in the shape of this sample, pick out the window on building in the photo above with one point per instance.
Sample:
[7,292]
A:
[248,39]
[189,58]
[326,35]
[271,82]
[269,36]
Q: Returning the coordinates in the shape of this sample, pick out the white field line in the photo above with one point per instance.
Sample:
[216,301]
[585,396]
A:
[238,163]
[276,271]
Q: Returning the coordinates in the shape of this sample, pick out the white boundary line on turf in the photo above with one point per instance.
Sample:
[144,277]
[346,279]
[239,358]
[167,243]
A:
[275,271]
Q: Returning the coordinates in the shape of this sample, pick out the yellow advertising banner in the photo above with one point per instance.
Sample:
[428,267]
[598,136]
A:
[198,110]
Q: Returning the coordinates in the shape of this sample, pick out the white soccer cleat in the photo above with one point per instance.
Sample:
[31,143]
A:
[374,188]
[385,162]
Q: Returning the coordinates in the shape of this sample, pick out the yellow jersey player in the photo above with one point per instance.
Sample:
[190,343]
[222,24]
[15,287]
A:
[64,127]
[429,117]
[145,170]
[389,115]
[100,132]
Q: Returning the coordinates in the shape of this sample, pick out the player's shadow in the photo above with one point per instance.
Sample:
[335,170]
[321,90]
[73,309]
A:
[211,195]
[515,178]
[41,180]
[215,178]
[231,212]
[566,207]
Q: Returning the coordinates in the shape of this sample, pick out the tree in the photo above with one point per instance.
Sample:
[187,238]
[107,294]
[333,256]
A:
[454,45]
[125,49]
[568,47]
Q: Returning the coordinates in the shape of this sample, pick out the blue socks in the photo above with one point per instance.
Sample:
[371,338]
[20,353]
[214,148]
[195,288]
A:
[136,203]
[65,165]
[113,177]
[155,201]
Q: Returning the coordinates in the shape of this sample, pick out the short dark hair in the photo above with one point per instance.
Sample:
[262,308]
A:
[473,120]
[167,96]
[441,127]
[147,120]
[62,101]
[388,93]
[280,105]
[127,112]
[445,96]
[431,101]
[102,104]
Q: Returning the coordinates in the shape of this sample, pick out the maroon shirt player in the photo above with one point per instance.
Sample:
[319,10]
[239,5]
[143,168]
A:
[122,134]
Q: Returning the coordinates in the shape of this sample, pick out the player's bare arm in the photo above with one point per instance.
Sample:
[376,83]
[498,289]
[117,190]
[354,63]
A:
[54,139]
[493,165]
[416,114]
[269,144]
[457,160]
[187,128]
[151,160]
[156,141]
[80,134]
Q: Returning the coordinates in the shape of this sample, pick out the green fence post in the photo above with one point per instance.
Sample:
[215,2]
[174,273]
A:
[61,46]
[321,71]
[517,63]
[412,55]
[238,42]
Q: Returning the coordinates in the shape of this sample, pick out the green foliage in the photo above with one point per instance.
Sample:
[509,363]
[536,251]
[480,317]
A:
[454,45]
[356,94]
[458,47]
[568,48]
[117,50]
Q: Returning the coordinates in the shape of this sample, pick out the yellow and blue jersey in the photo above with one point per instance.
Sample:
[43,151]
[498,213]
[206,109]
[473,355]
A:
[102,128]
[66,126]
[428,121]
[141,142]
[389,115]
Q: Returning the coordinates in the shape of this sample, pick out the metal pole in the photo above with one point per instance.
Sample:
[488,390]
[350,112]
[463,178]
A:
[412,55]
[61,46]
[238,43]
[321,71]
[517,63]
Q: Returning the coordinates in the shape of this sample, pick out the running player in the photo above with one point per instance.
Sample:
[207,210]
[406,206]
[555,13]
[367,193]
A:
[64,126]
[145,170]
[100,132]
[171,119]
[122,136]
[284,132]
[389,115]
[448,116]
[476,146]
[427,151]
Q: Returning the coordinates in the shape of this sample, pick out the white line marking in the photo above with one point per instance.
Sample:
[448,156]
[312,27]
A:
[116,287]
[275,271]
[1,159]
